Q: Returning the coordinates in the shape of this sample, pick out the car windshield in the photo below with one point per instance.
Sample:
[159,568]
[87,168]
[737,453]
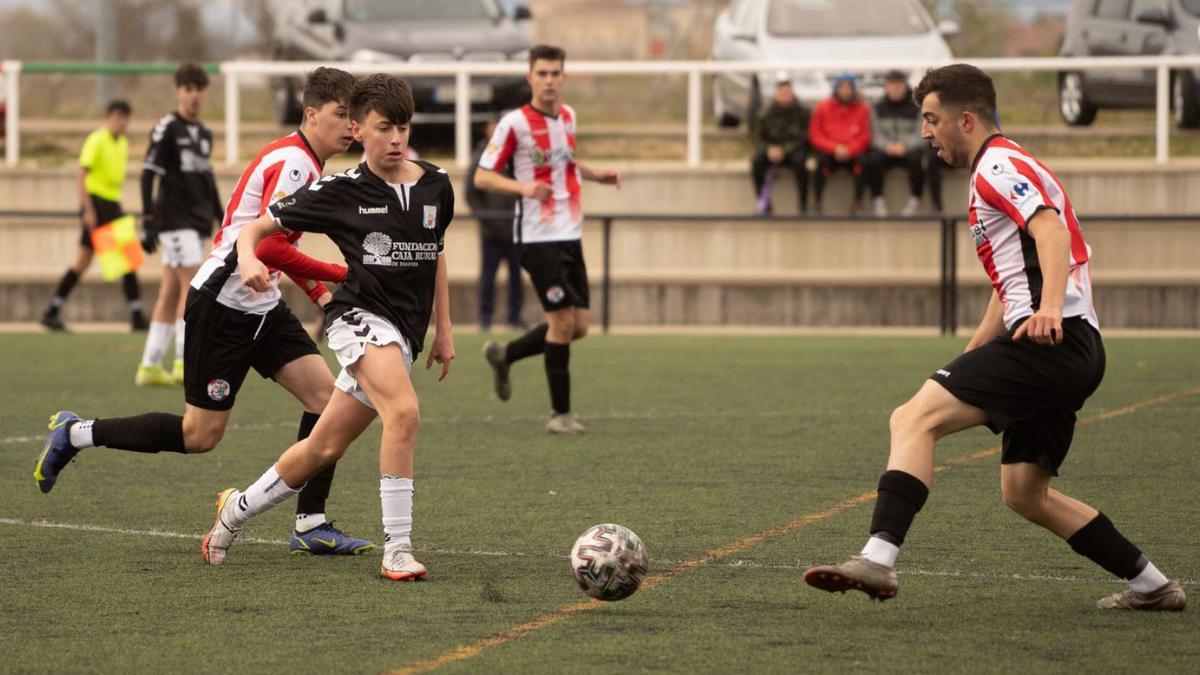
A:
[845,18]
[417,10]
[1192,6]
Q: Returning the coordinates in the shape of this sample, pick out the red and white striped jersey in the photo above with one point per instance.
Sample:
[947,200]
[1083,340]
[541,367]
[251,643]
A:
[1009,186]
[542,149]
[282,167]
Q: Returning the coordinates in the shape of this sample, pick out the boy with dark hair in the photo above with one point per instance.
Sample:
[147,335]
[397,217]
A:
[388,216]
[231,329]
[101,175]
[539,138]
[178,219]
[1035,358]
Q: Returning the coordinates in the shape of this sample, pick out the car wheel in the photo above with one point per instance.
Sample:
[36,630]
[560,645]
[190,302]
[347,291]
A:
[725,119]
[288,110]
[753,106]
[1184,101]
[1073,104]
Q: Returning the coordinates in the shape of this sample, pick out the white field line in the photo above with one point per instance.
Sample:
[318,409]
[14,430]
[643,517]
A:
[489,419]
[740,563]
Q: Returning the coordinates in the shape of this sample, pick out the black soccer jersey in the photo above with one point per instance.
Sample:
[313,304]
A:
[179,153]
[390,235]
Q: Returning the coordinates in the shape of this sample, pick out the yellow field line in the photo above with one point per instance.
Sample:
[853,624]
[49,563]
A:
[548,619]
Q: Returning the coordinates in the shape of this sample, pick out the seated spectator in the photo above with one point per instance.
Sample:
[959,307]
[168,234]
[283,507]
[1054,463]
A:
[782,142]
[839,133]
[895,141]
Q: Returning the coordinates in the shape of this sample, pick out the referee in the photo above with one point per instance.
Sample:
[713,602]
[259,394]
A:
[101,172]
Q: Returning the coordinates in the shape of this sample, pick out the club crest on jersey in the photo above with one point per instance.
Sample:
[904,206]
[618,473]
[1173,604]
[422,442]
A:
[430,217]
[218,390]
[555,294]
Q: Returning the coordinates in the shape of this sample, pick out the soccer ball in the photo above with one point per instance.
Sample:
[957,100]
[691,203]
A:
[609,562]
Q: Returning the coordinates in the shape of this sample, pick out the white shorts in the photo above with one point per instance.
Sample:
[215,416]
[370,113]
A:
[349,336]
[181,248]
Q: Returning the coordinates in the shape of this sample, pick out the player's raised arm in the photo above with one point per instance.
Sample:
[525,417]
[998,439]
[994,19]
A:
[490,181]
[254,272]
[605,177]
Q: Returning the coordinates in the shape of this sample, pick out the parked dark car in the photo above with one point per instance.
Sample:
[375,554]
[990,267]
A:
[1129,28]
[412,31]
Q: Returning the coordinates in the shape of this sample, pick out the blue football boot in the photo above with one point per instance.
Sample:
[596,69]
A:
[57,451]
[325,539]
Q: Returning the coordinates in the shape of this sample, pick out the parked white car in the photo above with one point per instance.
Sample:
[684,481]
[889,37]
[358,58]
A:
[816,32]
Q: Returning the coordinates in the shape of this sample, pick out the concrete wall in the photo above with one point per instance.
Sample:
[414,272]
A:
[726,272]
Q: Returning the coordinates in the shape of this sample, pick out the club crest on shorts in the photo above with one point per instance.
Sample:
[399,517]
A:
[218,390]
[555,294]
[430,219]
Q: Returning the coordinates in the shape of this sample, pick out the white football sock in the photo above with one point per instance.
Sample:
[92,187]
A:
[396,496]
[266,493]
[179,324]
[81,434]
[156,343]
[307,521]
[881,551]
[1149,579]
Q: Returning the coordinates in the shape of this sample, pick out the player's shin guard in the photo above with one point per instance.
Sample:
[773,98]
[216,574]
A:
[316,491]
[396,498]
[152,432]
[901,496]
[558,376]
[529,344]
[1100,542]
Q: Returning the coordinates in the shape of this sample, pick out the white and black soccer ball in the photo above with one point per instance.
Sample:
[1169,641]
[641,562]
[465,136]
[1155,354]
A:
[609,562]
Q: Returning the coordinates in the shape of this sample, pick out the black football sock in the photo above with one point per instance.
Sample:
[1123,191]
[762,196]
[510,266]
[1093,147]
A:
[316,491]
[529,344]
[129,284]
[152,432]
[901,496]
[558,358]
[65,285]
[1100,542]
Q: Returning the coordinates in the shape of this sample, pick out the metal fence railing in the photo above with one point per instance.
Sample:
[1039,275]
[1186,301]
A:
[235,72]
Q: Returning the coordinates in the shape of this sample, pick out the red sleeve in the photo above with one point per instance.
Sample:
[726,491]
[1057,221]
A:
[817,135]
[313,289]
[278,253]
[862,140]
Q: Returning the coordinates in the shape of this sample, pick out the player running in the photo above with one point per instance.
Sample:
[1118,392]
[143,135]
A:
[179,219]
[1035,358]
[539,138]
[388,216]
[231,328]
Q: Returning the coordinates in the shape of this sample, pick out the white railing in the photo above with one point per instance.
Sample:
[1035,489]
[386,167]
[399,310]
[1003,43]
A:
[463,71]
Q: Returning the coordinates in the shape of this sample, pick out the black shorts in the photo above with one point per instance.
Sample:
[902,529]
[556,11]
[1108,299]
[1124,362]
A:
[106,212]
[222,344]
[558,273]
[1030,392]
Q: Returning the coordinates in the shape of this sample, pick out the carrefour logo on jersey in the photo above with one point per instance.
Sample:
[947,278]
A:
[379,249]
[540,157]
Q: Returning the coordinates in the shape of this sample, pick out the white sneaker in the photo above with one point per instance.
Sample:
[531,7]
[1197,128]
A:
[216,543]
[399,565]
[564,423]
[911,208]
[880,207]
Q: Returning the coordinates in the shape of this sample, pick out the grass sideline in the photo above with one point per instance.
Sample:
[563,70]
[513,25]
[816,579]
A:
[696,442]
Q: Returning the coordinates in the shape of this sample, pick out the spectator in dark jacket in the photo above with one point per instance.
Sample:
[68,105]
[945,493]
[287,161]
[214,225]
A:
[895,141]
[840,133]
[782,136]
[496,233]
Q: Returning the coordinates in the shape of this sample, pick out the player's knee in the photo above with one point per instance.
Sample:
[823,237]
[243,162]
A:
[1025,503]
[581,331]
[202,440]
[404,417]
[905,418]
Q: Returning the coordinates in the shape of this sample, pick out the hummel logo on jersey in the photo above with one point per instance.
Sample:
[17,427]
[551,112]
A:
[372,210]
[943,372]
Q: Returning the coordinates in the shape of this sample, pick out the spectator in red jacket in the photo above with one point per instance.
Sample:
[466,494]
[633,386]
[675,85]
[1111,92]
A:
[839,133]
